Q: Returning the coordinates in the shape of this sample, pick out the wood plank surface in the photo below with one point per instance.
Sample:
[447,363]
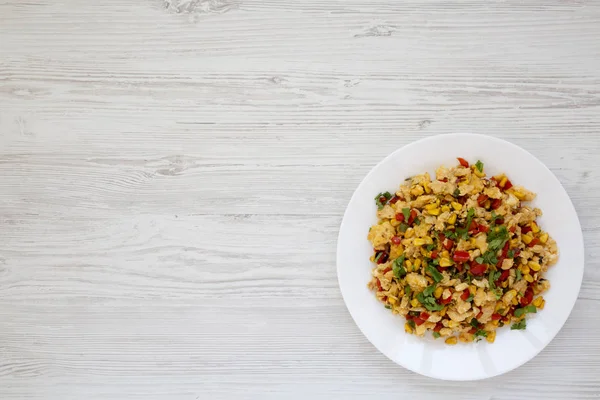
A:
[173,174]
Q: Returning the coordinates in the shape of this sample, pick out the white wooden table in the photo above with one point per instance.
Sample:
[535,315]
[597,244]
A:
[173,175]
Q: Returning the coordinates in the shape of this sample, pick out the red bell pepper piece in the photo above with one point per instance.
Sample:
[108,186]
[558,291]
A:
[465,295]
[527,297]
[396,239]
[496,317]
[461,256]
[482,199]
[424,316]
[448,244]
[534,242]
[400,217]
[463,162]
[478,269]
[411,218]
[496,204]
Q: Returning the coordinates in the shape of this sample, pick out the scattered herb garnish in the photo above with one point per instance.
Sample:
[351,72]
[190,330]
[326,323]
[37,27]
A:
[430,247]
[479,165]
[511,253]
[479,260]
[489,257]
[436,335]
[398,267]
[464,232]
[435,274]
[407,290]
[406,213]
[378,256]
[456,192]
[470,298]
[427,300]
[403,227]
[388,306]
[493,277]
[497,238]
[474,323]
[417,221]
[519,326]
[480,333]
[450,235]
[411,323]
[380,197]
[530,309]
[519,276]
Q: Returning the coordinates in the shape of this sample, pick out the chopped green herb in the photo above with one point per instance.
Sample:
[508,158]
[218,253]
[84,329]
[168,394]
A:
[388,307]
[427,300]
[436,335]
[380,197]
[378,256]
[435,262]
[406,213]
[480,333]
[525,310]
[398,267]
[474,323]
[464,232]
[430,247]
[407,290]
[494,216]
[479,260]
[435,274]
[450,235]
[470,298]
[489,257]
[417,221]
[479,165]
[492,278]
[498,292]
[456,192]
[408,179]
[519,276]
[411,323]
[403,227]
[519,326]
[511,253]
[501,311]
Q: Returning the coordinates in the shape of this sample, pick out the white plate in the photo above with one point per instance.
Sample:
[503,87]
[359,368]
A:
[431,357]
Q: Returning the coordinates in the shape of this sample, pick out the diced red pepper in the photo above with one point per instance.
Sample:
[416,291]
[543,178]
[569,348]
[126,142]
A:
[479,315]
[507,185]
[462,199]
[504,275]
[478,269]
[459,267]
[379,288]
[472,331]
[438,327]
[444,180]
[418,321]
[483,228]
[494,181]
[463,162]
[434,254]
[424,316]
[513,229]
[461,256]
[445,301]
[383,257]
[400,217]
[517,253]
[499,221]
[383,200]
[448,244]
[496,204]
[505,249]
[525,229]
[482,199]
[465,295]
[384,298]
[500,261]
[396,239]
[394,200]
[388,269]
[411,218]
[534,242]
[496,317]
[409,317]
[527,297]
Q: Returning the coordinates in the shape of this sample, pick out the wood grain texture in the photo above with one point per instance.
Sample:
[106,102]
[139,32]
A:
[173,175]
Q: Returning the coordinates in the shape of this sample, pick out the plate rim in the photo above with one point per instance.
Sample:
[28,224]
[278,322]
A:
[580,239]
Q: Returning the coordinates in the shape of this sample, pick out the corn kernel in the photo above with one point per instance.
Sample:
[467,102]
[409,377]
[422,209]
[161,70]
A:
[541,307]
[491,336]
[504,284]
[392,300]
[408,328]
[514,301]
[544,238]
[477,173]
[435,211]
[495,323]
[417,264]
[514,243]
[519,195]
[443,311]
[445,262]
[408,265]
[503,181]
[453,324]
[445,254]
[538,301]
[452,219]
[419,242]
[473,289]
[473,241]
[527,238]
[417,190]
[445,209]
[427,187]
[410,232]
[528,278]
[394,222]
[431,206]
[487,203]
[534,227]
[414,303]
[534,266]
[438,292]
[451,341]
[499,306]
[456,205]
[524,269]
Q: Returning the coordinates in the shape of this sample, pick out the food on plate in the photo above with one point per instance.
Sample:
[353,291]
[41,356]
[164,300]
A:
[460,255]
